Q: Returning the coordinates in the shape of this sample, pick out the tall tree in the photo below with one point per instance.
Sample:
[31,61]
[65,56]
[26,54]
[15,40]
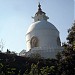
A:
[67,62]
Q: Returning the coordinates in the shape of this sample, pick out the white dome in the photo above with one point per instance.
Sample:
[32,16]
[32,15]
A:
[45,32]
[43,24]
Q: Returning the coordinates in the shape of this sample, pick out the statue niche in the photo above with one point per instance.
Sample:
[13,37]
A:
[34,42]
[58,41]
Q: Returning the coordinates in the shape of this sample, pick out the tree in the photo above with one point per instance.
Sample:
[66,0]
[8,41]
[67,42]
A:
[67,61]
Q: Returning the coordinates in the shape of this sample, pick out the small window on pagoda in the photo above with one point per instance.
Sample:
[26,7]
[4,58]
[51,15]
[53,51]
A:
[34,42]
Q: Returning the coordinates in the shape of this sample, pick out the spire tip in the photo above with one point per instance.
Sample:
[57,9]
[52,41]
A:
[39,6]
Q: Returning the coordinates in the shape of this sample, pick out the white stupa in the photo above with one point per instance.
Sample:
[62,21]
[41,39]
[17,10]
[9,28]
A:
[42,37]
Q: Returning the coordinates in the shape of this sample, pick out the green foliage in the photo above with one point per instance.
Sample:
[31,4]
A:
[25,66]
[66,65]
[34,70]
[48,70]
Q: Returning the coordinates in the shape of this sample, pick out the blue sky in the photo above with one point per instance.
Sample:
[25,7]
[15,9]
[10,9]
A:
[15,18]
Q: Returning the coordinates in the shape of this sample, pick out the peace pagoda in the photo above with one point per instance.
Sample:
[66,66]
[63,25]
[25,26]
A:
[42,37]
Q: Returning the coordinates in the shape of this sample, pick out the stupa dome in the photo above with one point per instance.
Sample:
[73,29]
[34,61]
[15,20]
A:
[41,25]
[42,37]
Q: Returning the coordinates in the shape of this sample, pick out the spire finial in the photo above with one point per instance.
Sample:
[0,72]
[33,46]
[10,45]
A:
[40,15]
[39,6]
